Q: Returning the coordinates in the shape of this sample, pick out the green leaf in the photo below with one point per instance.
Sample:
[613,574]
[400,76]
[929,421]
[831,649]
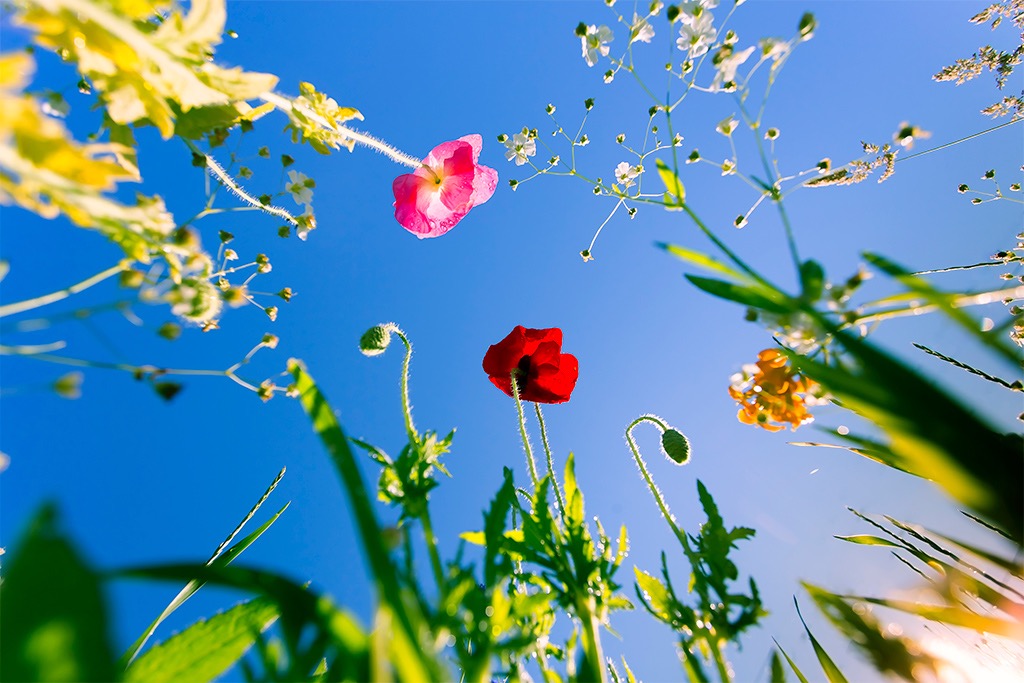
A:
[53,618]
[792,665]
[812,281]
[889,654]
[216,558]
[701,260]
[952,615]
[832,672]
[869,540]
[206,649]
[654,595]
[930,432]
[945,302]
[675,194]
[778,674]
[326,425]
[740,294]
[573,495]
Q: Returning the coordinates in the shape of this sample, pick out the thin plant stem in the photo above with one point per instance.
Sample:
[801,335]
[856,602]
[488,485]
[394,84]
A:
[435,558]
[655,491]
[286,105]
[410,428]
[958,141]
[229,182]
[531,463]
[551,463]
[59,295]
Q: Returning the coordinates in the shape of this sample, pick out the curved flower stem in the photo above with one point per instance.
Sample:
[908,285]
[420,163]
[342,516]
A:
[217,171]
[435,558]
[658,498]
[53,297]
[551,463]
[410,428]
[601,227]
[531,463]
[286,104]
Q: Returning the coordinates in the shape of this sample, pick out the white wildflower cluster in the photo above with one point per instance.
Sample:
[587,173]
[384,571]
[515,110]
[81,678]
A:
[300,187]
[697,33]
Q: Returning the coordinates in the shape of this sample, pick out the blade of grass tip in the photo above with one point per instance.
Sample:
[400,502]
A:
[792,665]
[192,586]
[987,525]
[327,427]
[832,672]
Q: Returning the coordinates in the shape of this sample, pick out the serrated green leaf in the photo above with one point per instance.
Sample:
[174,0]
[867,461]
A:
[739,293]
[653,593]
[206,649]
[53,618]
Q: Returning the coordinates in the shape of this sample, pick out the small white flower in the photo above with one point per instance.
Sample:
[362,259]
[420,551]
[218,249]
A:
[727,125]
[728,167]
[773,48]
[726,62]
[641,30]
[697,33]
[520,148]
[595,43]
[300,187]
[656,6]
[626,174]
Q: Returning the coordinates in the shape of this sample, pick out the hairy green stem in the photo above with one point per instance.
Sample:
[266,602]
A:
[655,491]
[410,428]
[229,182]
[531,463]
[551,463]
[586,610]
[286,104]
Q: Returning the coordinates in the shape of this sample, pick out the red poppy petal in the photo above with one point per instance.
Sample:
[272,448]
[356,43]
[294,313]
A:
[554,385]
[503,357]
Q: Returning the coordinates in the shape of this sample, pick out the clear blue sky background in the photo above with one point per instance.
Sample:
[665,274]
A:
[142,481]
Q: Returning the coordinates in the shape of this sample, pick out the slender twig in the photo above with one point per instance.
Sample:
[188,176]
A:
[53,297]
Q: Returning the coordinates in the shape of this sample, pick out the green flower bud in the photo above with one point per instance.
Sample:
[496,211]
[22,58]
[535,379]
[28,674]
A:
[375,340]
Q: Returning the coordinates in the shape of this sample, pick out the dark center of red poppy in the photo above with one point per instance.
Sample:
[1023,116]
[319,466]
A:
[523,373]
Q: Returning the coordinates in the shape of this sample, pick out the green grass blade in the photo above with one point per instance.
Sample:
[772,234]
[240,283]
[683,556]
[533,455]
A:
[206,649]
[192,586]
[952,615]
[758,298]
[930,431]
[327,427]
[946,303]
[53,618]
[792,665]
[832,672]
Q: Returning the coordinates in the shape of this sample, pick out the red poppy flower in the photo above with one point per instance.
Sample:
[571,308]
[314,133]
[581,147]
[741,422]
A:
[546,375]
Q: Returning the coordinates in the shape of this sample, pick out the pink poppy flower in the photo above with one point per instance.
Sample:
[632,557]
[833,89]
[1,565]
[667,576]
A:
[433,198]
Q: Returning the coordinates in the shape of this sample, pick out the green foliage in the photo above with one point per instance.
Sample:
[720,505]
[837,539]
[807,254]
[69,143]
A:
[53,617]
[206,649]
[719,614]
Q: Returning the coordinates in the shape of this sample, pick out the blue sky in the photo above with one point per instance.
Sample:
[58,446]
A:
[140,480]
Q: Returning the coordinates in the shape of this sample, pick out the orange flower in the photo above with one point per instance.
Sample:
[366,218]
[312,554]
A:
[771,393]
